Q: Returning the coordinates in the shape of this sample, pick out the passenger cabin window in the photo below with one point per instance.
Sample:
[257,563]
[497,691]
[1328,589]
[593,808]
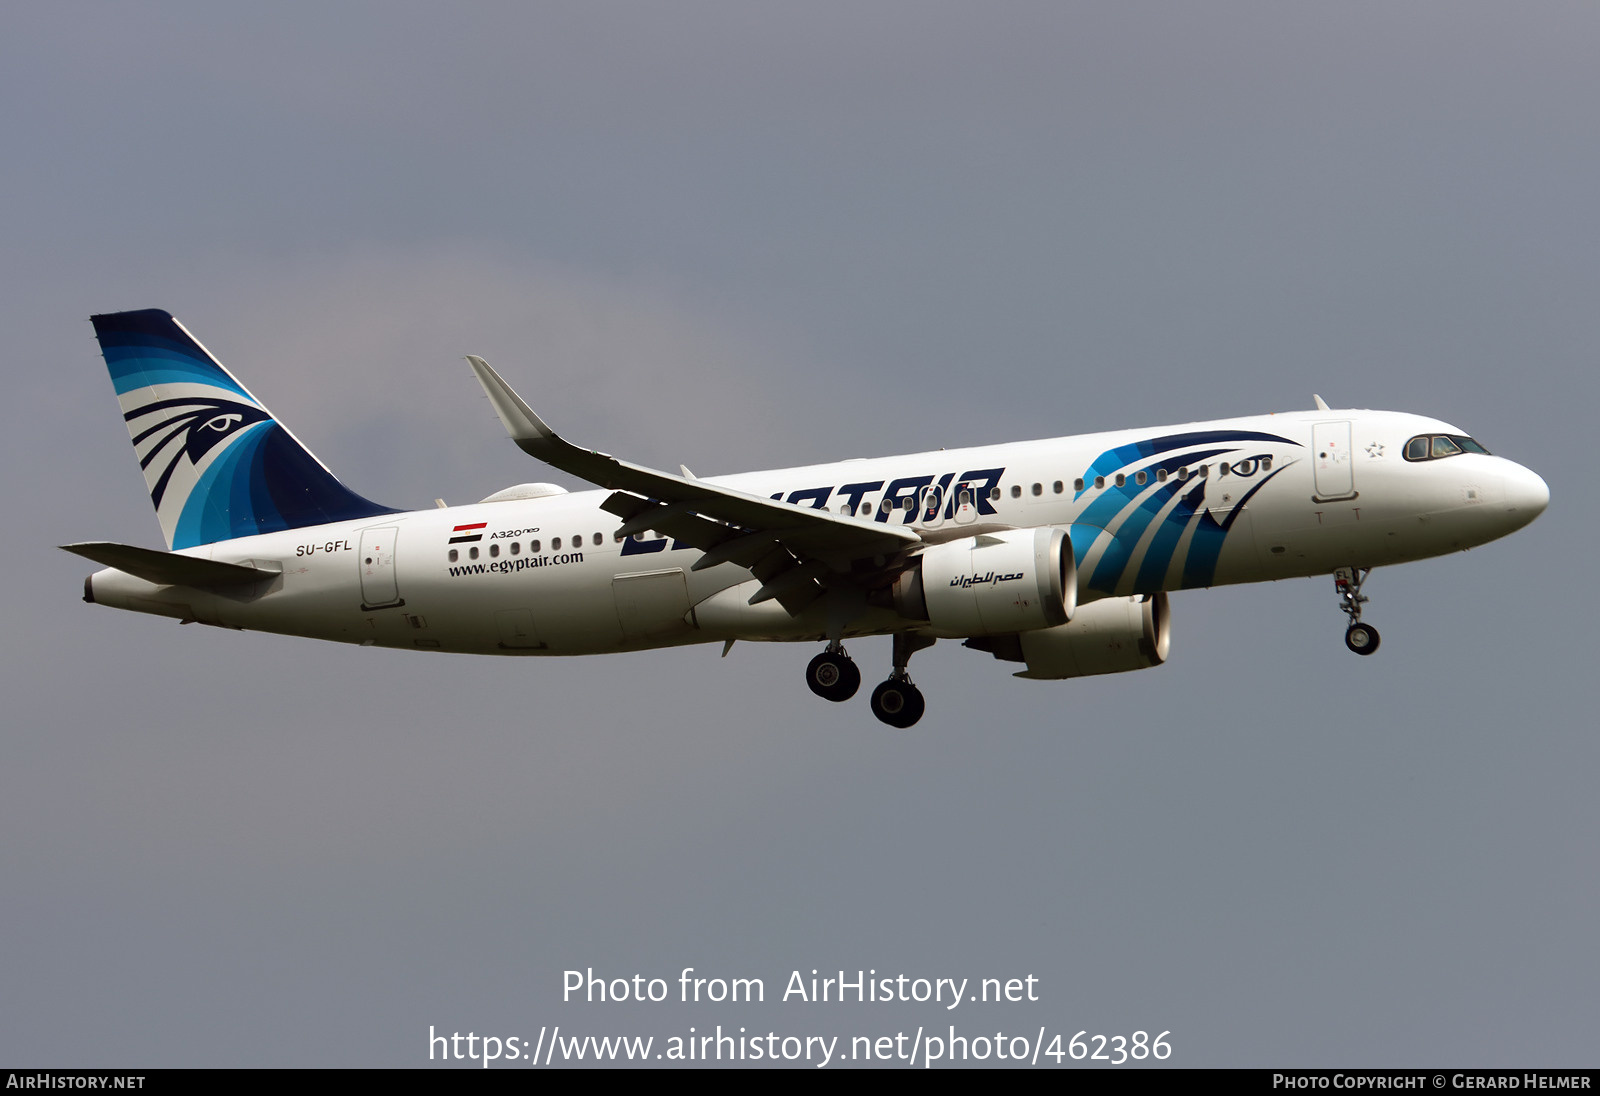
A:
[1077,484]
[533,546]
[1099,482]
[1141,478]
[454,555]
[1038,489]
[1016,490]
[1121,479]
[1059,487]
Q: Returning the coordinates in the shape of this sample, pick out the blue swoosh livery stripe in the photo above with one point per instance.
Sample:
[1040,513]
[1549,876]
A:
[1128,511]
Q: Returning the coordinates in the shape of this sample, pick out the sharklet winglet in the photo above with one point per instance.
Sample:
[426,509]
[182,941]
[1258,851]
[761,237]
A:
[518,418]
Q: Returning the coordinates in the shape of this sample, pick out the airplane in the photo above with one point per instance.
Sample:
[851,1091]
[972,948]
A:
[1057,555]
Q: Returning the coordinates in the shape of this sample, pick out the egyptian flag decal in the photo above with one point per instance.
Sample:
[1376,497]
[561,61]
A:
[466,534]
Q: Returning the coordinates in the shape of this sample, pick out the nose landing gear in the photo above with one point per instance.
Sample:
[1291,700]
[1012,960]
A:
[1360,638]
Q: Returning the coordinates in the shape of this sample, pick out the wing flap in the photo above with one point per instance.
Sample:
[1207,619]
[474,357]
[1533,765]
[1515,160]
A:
[673,519]
[792,582]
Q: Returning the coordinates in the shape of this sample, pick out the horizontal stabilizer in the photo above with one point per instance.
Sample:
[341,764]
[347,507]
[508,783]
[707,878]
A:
[168,568]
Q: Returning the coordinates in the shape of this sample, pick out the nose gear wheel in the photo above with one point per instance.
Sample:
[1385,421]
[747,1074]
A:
[1360,638]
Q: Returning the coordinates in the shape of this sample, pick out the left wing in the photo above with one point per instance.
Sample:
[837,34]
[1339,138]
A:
[792,550]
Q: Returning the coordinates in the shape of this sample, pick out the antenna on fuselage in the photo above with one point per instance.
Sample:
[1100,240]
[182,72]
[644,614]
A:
[1322,404]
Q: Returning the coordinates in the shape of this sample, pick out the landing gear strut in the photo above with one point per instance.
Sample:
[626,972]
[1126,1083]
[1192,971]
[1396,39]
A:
[896,701]
[1360,638]
[833,675]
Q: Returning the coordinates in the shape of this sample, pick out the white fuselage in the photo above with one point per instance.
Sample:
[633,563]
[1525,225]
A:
[1238,500]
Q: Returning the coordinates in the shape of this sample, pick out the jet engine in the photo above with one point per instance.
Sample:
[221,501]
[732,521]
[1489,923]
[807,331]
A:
[1000,583]
[1109,636]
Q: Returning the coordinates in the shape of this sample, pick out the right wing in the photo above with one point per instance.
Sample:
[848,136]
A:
[792,550]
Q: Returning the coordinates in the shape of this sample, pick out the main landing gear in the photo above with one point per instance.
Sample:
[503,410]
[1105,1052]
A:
[897,702]
[1360,638]
[833,675]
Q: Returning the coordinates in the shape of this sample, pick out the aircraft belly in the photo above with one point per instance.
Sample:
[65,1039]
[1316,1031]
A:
[651,604]
[1318,537]
[554,610]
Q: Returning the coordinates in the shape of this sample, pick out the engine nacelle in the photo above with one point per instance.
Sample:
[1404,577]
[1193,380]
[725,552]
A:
[992,584]
[1110,636]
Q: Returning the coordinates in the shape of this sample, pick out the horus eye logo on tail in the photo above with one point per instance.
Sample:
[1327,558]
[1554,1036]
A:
[218,465]
[167,433]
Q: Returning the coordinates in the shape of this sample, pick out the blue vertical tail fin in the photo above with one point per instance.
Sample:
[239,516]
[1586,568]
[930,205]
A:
[217,463]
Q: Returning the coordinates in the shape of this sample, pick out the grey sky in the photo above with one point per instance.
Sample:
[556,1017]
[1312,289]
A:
[743,236]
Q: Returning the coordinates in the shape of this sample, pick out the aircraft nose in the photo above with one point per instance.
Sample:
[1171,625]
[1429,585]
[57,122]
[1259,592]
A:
[1526,494]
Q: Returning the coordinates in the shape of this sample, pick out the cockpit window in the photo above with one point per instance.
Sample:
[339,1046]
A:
[1437,446]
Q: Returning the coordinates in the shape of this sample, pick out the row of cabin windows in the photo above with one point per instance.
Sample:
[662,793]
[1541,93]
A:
[963,498]
[515,547]
[1239,468]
